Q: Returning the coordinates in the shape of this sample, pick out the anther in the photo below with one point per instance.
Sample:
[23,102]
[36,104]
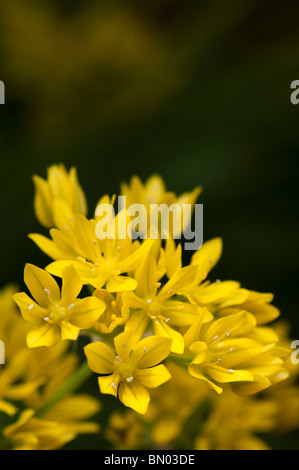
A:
[70,306]
[113,304]
[216,337]
[113,385]
[167,320]
[231,371]
[227,333]
[129,379]
[47,291]
[145,350]
[30,306]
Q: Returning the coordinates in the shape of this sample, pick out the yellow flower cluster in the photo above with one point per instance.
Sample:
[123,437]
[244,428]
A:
[28,382]
[153,322]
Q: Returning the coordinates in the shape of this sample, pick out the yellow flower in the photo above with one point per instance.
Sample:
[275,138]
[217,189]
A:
[98,262]
[235,423]
[125,430]
[60,425]
[156,305]
[133,368]
[60,185]
[115,313]
[256,303]
[56,315]
[224,298]
[153,191]
[233,349]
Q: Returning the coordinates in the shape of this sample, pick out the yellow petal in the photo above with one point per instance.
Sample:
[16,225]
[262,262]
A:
[64,244]
[196,372]
[132,262]
[121,284]
[71,285]
[86,312]
[259,384]
[100,357]
[200,350]
[124,343]
[173,257]
[222,375]
[146,277]
[193,333]
[216,291]
[43,202]
[153,377]
[207,256]
[182,278]
[133,301]
[150,351]
[237,350]
[63,214]
[30,310]
[43,334]
[109,384]
[137,323]
[134,395]
[154,189]
[41,285]
[46,245]
[161,328]
[69,331]
[8,408]
[239,323]
[80,199]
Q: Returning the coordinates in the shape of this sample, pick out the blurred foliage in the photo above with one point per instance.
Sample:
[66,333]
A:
[198,91]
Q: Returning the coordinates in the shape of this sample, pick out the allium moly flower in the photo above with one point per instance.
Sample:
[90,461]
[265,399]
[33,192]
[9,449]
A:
[132,369]
[224,298]
[56,315]
[232,349]
[60,185]
[236,423]
[156,304]
[153,191]
[100,263]
[60,425]
[115,313]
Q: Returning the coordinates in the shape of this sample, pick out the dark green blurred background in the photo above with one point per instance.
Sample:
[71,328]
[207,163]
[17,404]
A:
[198,91]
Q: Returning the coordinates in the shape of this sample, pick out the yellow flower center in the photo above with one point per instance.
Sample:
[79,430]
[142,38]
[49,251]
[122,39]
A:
[126,369]
[154,308]
[58,313]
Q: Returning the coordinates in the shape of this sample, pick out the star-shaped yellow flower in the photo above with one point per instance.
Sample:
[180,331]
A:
[56,315]
[135,366]
[153,303]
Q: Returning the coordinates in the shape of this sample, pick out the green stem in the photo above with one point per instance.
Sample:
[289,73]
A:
[182,361]
[79,377]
